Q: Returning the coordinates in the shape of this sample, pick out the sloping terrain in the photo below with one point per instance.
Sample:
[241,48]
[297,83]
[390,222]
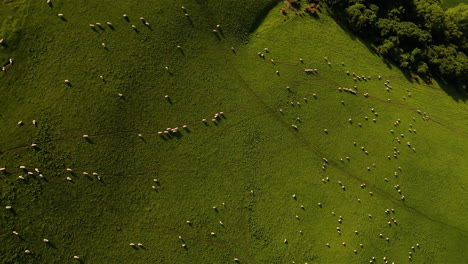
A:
[238,181]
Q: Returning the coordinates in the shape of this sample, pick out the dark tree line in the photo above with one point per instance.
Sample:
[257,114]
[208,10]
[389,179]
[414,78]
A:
[419,35]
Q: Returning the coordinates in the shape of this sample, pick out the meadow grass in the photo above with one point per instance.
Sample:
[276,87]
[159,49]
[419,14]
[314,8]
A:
[452,3]
[250,159]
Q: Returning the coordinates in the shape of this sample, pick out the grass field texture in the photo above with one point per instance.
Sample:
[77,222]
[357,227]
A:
[269,192]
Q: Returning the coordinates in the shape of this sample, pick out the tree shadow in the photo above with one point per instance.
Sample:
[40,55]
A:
[456,94]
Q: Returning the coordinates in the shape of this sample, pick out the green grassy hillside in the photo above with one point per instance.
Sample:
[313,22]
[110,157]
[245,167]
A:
[234,174]
[453,3]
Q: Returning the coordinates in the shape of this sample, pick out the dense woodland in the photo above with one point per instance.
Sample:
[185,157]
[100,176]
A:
[421,36]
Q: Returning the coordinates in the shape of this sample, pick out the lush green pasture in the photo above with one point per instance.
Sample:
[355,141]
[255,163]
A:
[248,162]
[453,3]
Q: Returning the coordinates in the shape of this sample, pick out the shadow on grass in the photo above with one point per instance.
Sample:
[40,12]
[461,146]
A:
[12,211]
[261,15]
[182,52]
[189,19]
[221,32]
[452,91]
[51,245]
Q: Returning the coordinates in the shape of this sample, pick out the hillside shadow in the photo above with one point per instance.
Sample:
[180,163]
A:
[456,94]
[261,15]
[337,17]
